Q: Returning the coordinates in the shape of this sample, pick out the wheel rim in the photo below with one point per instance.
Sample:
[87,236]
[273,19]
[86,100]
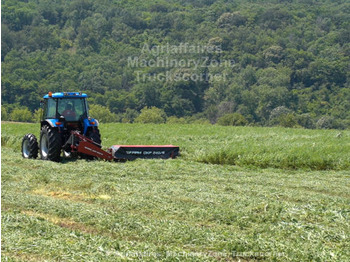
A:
[44,145]
[25,149]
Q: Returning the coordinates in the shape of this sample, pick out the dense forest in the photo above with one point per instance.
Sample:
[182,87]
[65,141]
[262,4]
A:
[238,62]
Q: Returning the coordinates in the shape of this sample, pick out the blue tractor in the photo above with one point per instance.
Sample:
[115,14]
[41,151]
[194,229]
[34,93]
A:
[63,113]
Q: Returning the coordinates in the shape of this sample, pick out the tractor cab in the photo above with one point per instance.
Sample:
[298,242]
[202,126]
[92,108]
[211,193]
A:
[68,111]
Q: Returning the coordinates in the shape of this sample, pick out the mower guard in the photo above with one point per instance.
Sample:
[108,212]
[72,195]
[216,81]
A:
[131,152]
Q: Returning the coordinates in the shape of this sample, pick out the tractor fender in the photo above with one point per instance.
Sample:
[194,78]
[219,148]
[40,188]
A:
[90,124]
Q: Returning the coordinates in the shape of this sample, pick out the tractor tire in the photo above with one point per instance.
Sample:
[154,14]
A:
[95,136]
[30,146]
[50,144]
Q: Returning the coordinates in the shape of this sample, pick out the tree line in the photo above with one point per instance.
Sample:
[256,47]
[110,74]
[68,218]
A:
[290,59]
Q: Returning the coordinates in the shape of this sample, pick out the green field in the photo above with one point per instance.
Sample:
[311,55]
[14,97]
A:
[234,194]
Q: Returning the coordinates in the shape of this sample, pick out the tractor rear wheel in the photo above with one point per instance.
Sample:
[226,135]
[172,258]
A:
[95,136]
[50,144]
[30,146]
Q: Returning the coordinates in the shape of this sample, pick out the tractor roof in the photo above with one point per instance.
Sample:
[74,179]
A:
[66,94]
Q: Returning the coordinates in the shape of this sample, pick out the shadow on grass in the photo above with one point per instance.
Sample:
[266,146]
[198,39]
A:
[67,160]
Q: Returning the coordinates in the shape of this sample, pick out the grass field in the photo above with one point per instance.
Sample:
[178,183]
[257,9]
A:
[235,194]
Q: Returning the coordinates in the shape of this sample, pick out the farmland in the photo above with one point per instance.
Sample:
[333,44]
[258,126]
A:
[235,193]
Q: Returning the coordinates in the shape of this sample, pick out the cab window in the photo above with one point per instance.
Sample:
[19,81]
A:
[71,108]
[50,110]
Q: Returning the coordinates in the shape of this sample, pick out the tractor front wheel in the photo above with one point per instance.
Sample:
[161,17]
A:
[30,146]
[50,144]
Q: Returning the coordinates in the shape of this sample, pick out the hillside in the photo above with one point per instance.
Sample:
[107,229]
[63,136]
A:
[273,62]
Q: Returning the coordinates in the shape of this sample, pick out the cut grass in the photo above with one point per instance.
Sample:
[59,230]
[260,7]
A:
[171,210]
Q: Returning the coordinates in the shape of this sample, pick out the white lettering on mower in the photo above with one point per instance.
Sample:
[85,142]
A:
[158,152]
[134,152]
[145,152]
[92,150]
[154,152]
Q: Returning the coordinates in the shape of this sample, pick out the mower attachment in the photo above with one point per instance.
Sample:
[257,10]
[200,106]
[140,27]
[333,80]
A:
[80,143]
[131,152]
